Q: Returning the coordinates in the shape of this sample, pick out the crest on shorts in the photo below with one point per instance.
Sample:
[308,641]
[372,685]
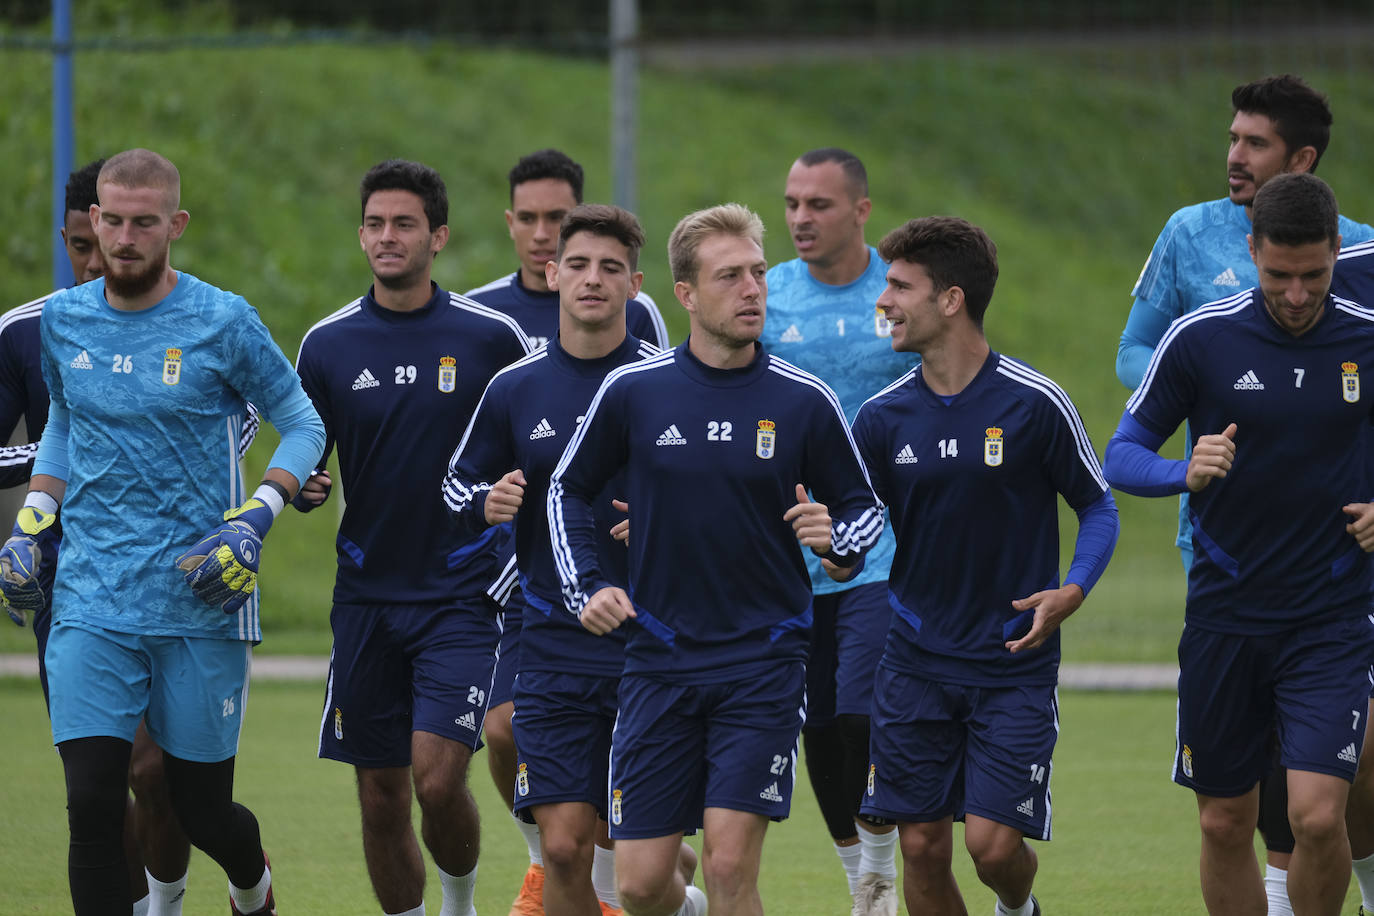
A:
[522,780]
[615,807]
[992,446]
[872,778]
[1350,383]
[1187,756]
[338,723]
[448,374]
[765,441]
[171,366]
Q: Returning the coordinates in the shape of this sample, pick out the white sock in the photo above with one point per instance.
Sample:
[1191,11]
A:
[1024,909]
[1364,874]
[849,859]
[165,899]
[141,906]
[415,911]
[1276,891]
[252,899]
[458,893]
[603,876]
[694,904]
[531,834]
[879,853]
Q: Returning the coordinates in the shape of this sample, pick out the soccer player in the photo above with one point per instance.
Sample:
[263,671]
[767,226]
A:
[544,187]
[823,318]
[149,370]
[150,825]
[565,696]
[396,375]
[971,450]
[1276,628]
[718,442]
[1279,124]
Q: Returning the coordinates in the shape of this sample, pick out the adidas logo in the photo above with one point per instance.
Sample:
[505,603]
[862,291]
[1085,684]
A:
[791,335]
[82,361]
[467,719]
[771,794]
[1349,755]
[1027,807]
[1226,278]
[366,379]
[671,437]
[543,430]
[906,456]
[1249,382]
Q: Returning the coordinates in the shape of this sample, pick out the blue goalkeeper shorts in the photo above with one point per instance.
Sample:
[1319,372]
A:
[191,690]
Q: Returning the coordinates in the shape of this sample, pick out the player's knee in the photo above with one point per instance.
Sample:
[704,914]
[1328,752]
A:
[94,814]
[440,789]
[566,853]
[996,853]
[1227,825]
[640,891]
[1320,823]
[727,869]
[925,847]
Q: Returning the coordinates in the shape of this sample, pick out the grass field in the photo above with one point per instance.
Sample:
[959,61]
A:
[1125,838]
[1072,160]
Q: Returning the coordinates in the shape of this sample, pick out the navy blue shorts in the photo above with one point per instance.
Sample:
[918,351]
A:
[847,637]
[508,663]
[398,669]
[1310,682]
[679,749]
[944,750]
[563,725]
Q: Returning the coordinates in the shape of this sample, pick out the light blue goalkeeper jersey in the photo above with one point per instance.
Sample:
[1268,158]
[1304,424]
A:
[1201,256]
[152,403]
[838,334]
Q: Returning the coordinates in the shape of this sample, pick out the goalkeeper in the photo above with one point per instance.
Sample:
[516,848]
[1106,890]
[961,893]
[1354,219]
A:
[155,608]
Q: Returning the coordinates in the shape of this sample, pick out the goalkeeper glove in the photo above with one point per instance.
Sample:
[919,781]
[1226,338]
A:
[222,567]
[19,561]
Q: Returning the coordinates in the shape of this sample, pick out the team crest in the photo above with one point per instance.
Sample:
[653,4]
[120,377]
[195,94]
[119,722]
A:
[992,446]
[448,374]
[881,326]
[615,807]
[522,780]
[766,440]
[338,723]
[1350,383]
[1187,761]
[171,366]
[872,777]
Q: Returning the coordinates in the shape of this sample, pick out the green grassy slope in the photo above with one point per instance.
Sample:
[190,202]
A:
[1071,161]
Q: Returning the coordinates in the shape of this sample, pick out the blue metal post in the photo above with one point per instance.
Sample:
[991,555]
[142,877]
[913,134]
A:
[62,135]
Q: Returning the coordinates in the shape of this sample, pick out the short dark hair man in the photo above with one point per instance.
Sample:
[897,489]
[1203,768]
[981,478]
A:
[1276,630]
[965,710]
[396,375]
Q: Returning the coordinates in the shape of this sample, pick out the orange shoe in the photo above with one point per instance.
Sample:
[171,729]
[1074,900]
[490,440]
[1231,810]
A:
[530,900]
[608,910]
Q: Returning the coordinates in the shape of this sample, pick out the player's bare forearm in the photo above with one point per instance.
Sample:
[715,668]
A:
[55,487]
[1052,607]
[284,479]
